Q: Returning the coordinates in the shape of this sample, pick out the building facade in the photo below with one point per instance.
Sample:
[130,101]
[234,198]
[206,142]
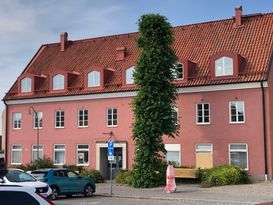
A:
[75,95]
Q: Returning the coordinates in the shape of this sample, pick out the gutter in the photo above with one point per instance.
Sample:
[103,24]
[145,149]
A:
[6,135]
[265,137]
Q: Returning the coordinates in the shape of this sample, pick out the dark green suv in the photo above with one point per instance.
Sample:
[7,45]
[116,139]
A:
[65,182]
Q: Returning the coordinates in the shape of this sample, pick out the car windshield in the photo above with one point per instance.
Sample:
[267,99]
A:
[19,176]
[39,174]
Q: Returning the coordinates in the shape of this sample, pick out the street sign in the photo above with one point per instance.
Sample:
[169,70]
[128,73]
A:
[110,150]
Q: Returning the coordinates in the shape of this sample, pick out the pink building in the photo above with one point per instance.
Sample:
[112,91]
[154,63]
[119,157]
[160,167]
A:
[81,91]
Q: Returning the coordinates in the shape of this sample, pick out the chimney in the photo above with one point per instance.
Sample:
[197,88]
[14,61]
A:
[238,16]
[63,37]
[120,53]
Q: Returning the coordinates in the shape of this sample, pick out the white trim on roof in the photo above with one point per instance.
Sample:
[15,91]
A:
[197,89]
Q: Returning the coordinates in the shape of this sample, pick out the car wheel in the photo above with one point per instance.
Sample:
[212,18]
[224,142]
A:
[88,190]
[55,193]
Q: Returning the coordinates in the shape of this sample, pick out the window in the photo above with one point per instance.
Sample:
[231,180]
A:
[59,154]
[59,119]
[129,75]
[202,113]
[83,118]
[34,152]
[94,79]
[16,154]
[15,197]
[237,112]
[203,148]
[38,120]
[238,155]
[203,156]
[83,154]
[112,117]
[179,71]
[26,85]
[175,114]
[173,153]
[223,66]
[58,82]
[16,120]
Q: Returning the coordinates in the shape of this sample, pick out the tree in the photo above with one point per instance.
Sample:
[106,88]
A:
[153,105]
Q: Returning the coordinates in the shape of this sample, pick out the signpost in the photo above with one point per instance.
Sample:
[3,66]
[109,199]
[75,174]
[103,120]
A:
[111,157]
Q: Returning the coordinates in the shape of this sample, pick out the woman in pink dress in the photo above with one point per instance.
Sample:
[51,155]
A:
[170,179]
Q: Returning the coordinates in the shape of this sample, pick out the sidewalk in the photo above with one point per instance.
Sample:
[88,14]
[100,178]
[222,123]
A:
[259,193]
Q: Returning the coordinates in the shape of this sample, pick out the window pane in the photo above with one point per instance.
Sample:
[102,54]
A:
[26,85]
[238,147]
[129,75]
[204,148]
[239,159]
[93,79]
[228,64]
[58,82]
[173,156]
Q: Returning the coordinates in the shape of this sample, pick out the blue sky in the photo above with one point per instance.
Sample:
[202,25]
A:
[26,24]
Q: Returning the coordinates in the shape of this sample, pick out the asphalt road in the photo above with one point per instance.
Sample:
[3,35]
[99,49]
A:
[103,200]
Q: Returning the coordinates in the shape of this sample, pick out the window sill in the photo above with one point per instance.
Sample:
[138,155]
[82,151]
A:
[35,128]
[16,128]
[82,127]
[202,124]
[82,165]
[234,123]
[112,126]
[59,127]
[59,164]
[16,163]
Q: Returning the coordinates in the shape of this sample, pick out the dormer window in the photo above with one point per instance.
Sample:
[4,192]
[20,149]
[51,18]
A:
[94,79]
[58,82]
[223,66]
[129,75]
[179,71]
[26,85]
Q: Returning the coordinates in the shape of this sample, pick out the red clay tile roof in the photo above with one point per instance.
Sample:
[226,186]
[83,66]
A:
[197,43]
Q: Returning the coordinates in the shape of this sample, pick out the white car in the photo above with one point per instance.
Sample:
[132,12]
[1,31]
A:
[19,177]
[15,195]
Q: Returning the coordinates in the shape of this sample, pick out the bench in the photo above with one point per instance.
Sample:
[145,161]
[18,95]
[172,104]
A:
[185,173]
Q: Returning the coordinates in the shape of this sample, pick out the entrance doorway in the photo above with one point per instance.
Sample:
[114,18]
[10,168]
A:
[119,162]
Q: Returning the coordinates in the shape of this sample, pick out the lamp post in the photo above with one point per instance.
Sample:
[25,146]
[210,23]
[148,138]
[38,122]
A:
[37,128]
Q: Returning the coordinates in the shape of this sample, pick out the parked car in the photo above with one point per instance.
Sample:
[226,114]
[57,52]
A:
[16,194]
[19,177]
[65,182]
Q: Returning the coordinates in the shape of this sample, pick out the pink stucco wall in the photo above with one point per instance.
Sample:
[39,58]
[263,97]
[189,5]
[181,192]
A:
[220,132]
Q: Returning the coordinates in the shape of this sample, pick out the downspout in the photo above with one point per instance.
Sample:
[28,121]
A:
[265,137]
[6,140]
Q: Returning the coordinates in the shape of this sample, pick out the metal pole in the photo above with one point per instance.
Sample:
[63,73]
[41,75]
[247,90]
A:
[37,120]
[111,176]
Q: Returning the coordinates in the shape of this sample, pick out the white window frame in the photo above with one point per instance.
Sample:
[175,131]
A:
[224,71]
[40,149]
[129,75]
[239,150]
[58,82]
[174,148]
[112,118]
[203,114]
[83,110]
[59,120]
[177,73]
[209,150]
[93,79]
[237,116]
[59,150]
[16,150]
[26,85]
[83,149]
[40,120]
[16,119]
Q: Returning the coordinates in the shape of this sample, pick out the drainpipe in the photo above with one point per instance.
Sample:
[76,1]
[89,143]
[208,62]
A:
[6,140]
[265,140]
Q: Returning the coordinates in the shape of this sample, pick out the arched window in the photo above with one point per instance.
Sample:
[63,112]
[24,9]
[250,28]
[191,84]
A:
[58,82]
[223,66]
[26,85]
[179,71]
[93,79]
[129,75]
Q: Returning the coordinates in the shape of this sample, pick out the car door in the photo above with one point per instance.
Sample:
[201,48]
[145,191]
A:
[74,182]
[61,180]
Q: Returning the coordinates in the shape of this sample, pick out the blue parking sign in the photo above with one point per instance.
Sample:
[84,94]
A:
[110,150]
[110,144]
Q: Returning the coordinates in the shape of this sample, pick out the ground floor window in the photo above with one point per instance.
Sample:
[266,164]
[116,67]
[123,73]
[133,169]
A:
[36,148]
[59,154]
[173,153]
[238,155]
[83,154]
[16,154]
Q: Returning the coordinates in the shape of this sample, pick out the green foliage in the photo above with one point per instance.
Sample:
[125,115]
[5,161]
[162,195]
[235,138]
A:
[94,174]
[222,175]
[74,167]
[123,177]
[46,162]
[153,105]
